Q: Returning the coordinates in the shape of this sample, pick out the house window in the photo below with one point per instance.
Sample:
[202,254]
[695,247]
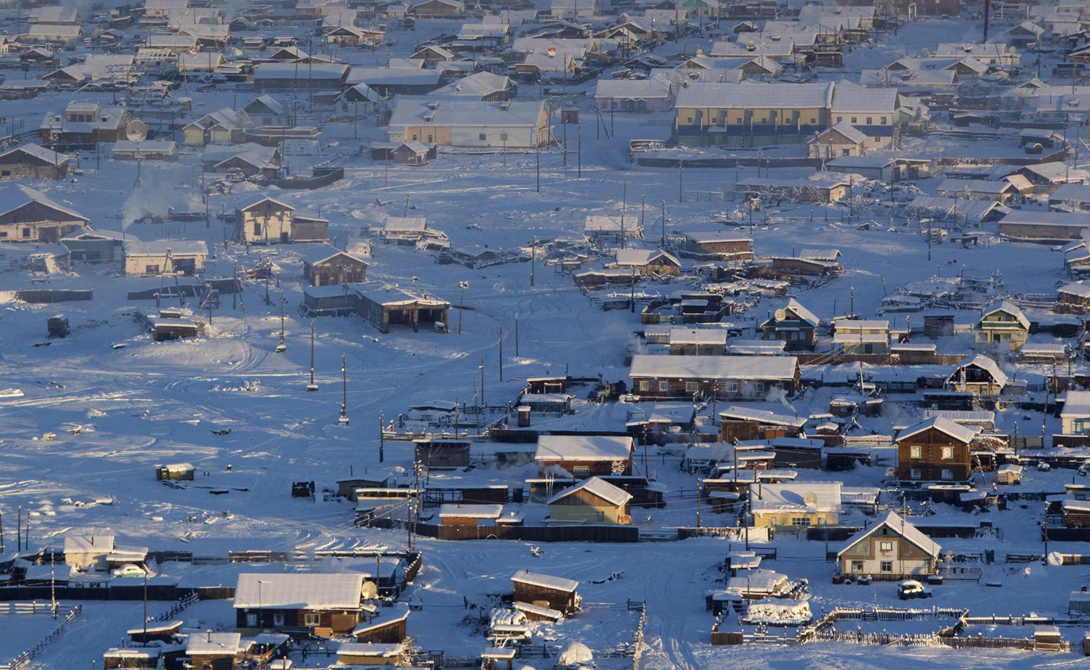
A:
[915,452]
[857,566]
[3,234]
[883,120]
[759,387]
[251,620]
[414,137]
[581,470]
[915,473]
[664,386]
[885,546]
[870,120]
[312,619]
[854,120]
[947,474]
[151,269]
[482,137]
[800,521]
[257,228]
[692,387]
[278,619]
[732,387]
[839,119]
[26,232]
[887,566]
[645,385]
[947,453]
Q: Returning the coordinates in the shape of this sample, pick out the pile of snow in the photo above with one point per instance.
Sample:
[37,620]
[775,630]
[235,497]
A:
[507,617]
[779,612]
[577,655]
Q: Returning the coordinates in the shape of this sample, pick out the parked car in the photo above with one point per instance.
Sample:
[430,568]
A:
[911,589]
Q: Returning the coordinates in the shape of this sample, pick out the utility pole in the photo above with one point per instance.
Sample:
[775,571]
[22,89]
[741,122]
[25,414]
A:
[281,347]
[533,258]
[663,224]
[482,380]
[344,397]
[462,286]
[537,154]
[312,386]
[501,352]
[516,338]
[579,152]
[680,182]
[381,438]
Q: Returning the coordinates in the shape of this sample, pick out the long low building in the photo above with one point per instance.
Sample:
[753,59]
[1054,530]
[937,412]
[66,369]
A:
[1043,227]
[737,377]
[470,123]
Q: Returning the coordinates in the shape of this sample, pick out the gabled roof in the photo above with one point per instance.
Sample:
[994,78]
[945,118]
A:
[763,416]
[14,196]
[802,313]
[808,496]
[945,426]
[848,131]
[1009,308]
[597,487]
[262,199]
[898,525]
[638,257]
[39,152]
[775,368]
[583,448]
[324,252]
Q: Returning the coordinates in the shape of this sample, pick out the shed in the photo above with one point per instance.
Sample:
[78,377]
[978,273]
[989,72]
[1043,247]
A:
[556,593]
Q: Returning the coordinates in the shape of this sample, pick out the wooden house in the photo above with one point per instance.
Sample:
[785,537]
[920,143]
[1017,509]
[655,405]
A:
[890,549]
[185,257]
[697,341]
[727,377]
[795,504]
[310,76]
[584,455]
[470,515]
[326,265]
[132,657]
[265,110]
[718,246]
[371,654]
[314,604]
[602,231]
[462,122]
[435,453]
[27,215]
[83,552]
[388,625]
[555,593]
[385,306]
[935,450]
[745,423]
[31,161]
[439,9]
[861,336]
[794,324]
[978,375]
[1002,327]
[843,139]
[1074,297]
[270,221]
[214,651]
[647,262]
[93,246]
[593,501]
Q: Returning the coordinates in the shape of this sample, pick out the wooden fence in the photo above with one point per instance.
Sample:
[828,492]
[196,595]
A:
[29,655]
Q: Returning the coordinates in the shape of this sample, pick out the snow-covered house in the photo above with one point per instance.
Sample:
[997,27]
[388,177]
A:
[326,265]
[890,549]
[556,593]
[480,86]
[470,123]
[843,139]
[270,221]
[871,111]
[27,215]
[861,336]
[654,94]
[978,375]
[321,604]
[584,455]
[592,501]
[934,450]
[749,423]
[795,504]
[697,341]
[794,324]
[83,552]
[152,258]
[1075,415]
[728,377]
[647,262]
[31,161]
[1001,326]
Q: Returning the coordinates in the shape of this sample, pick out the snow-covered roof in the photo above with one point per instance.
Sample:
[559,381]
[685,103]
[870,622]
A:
[750,96]
[545,581]
[641,257]
[788,496]
[598,487]
[757,581]
[162,247]
[482,511]
[701,336]
[466,113]
[372,649]
[311,591]
[1007,307]
[1076,404]
[776,368]
[954,430]
[14,196]
[763,416]
[897,524]
[984,363]
[583,448]
[88,544]
[206,644]
[324,252]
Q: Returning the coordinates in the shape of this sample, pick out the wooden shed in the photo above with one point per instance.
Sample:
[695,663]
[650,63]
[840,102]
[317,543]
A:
[325,265]
[433,453]
[555,593]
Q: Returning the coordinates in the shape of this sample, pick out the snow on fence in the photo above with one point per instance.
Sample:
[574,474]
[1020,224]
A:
[637,637]
[27,656]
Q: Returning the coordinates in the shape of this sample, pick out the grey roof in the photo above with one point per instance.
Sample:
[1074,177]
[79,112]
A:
[14,196]
[747,96]
[894,522]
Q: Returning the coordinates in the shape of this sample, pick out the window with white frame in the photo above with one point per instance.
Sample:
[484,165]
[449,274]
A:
[915,452]
[947,453]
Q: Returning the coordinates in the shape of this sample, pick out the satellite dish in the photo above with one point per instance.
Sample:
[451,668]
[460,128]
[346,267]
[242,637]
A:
[136,131]
[370,591]
[551,51]
[1055,558]
[810,498]
[781,314]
